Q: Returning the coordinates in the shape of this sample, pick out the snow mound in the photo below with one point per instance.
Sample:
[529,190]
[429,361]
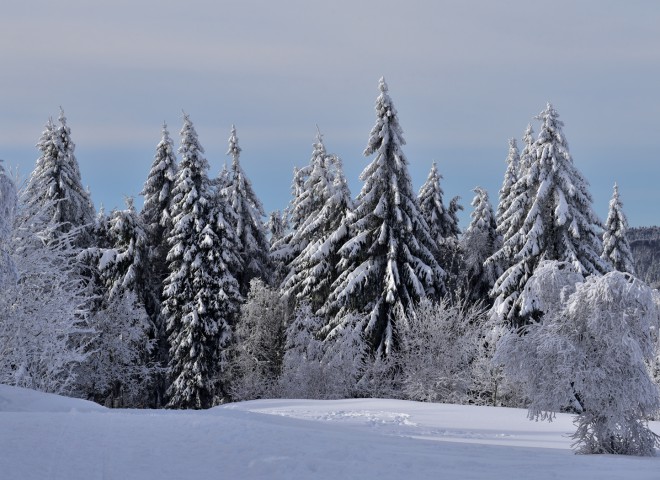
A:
[44,437]
[15,399]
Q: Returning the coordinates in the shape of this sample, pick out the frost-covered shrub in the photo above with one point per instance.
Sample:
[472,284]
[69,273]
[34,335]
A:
[303,374]
[345,351]
[116,373]
[256,355]
[439,344]
[590,357]
[42,330]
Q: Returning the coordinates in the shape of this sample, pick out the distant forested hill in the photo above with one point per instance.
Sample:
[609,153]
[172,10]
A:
[645,246]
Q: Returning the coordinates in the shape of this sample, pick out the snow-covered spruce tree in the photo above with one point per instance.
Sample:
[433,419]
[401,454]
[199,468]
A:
[515,200]
[558,222]
[8,205]
[326,197]
[288,247]
[453,229]
[156,216]
[616,249]
[200,295]
[157,219]
[389,262]
[479,242]
[443,226]
[126,266]
[120,371]
[258,347]
[56,182]
[249,226]
[277,226]
[591,355]
[510,179]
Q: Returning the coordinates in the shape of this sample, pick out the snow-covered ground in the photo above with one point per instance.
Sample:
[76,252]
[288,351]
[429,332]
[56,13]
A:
[49,437]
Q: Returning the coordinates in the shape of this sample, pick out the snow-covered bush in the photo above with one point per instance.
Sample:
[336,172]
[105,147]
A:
[303,374]
[590,357]
[256,355]
[344,355]
[42,328]
[117,372]
[439,343]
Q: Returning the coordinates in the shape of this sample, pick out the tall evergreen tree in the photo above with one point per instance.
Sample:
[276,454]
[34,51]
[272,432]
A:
[119,370]
[326,197]
[442,222]
[289,246]
[527,154]
[249,220]
[558,220]
[389,262]
[8,206]
[157,193]
[277,226]
[616,249]
[56,182]
[453,230]
[201,295]
[510,179]
[479,242]
[516,198]
[156,217]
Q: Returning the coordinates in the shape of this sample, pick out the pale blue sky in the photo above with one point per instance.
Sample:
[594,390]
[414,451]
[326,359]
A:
[464,75]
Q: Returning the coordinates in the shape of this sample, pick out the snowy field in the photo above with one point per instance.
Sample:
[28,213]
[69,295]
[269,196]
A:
[49,437]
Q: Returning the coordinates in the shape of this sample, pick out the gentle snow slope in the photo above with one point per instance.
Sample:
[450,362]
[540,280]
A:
[50,437]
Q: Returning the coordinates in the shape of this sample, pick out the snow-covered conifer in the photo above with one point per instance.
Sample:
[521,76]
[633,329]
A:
[443,223]
[510,179]
[527,154]
[125,265]
[157,188]
[558,222]
[479,242]
[119,370]
[200,295]
[277,226]
[616,249]
[8,204]
[326,197]
[288,247]
[432,207]
[155,214]
[56,181]
[249,220]
[453,230]
[389,262]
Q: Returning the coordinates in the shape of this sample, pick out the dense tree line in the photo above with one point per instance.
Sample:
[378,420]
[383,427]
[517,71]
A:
[200,299]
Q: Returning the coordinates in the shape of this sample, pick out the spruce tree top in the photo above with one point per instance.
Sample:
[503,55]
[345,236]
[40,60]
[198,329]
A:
[386,133]
[56,183]
[551,218]
[389,262]
[510,178]
[158,187]
[616,248]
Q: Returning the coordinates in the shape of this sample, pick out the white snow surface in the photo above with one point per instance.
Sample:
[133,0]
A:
[45,436]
